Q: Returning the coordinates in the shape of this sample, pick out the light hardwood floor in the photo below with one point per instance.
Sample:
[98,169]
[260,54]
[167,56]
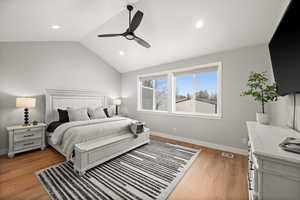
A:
[211,177]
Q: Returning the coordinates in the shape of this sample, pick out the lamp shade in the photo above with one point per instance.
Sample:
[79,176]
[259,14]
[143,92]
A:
[25,102]
[117,101]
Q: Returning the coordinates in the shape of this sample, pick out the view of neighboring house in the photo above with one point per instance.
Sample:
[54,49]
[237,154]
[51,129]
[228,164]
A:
[200,105]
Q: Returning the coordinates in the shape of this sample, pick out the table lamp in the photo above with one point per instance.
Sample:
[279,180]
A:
[117,102]
[25,103]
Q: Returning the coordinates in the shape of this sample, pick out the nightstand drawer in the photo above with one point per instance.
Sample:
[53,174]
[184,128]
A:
[27,144]
[33,134]
[29,129]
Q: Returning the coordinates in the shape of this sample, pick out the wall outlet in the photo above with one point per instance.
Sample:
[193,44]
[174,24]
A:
[174,130]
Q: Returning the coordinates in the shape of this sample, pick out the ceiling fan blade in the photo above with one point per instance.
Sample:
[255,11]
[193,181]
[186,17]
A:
[142,42]
[136,20]
[110,35]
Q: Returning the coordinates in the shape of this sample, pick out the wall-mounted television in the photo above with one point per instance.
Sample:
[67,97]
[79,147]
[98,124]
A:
[285,51]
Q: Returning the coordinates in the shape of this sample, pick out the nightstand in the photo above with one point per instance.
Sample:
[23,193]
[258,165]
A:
[25,138]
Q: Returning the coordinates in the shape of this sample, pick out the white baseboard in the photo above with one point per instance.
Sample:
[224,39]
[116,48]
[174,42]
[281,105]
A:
[202,143]
[188,140]
[3,152]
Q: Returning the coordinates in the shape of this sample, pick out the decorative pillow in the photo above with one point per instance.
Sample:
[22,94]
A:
[96,113]
[79,114]
[109,111]
[63,115]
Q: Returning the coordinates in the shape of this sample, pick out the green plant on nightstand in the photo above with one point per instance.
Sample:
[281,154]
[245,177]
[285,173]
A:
[258,87]
[35,122]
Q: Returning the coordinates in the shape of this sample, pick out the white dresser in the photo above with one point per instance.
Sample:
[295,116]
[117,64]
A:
[274,174]
[25,138]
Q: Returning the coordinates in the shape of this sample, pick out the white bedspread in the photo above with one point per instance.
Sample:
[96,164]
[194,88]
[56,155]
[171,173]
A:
[71,133]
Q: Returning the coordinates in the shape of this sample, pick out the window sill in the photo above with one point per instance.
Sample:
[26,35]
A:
[182,114]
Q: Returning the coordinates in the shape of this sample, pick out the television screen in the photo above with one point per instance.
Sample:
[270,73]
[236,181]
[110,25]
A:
[285,51]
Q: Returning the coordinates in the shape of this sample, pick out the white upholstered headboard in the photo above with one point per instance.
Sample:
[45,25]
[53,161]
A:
[70,99]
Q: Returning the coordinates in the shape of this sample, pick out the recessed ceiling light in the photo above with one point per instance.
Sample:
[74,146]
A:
[199,24]
[55,27]
[122,53]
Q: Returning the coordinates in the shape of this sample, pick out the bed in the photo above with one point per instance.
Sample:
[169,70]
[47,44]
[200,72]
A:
[92,142]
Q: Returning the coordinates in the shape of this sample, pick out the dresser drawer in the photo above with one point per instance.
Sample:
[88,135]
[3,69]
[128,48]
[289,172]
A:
[28,135]
[27,144]
[283,169]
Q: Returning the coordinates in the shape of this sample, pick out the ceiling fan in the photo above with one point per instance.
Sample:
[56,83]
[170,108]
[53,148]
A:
[133,25]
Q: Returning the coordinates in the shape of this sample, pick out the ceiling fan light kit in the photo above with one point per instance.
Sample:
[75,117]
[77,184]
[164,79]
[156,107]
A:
[133,25]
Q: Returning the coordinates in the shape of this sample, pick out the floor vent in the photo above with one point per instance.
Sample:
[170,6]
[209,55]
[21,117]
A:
[227,155]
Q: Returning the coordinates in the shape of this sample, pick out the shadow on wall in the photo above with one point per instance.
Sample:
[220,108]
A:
[10,115]
[124,108]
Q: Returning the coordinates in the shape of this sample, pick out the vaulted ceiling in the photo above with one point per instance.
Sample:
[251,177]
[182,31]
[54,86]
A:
[169,25]
[31,20]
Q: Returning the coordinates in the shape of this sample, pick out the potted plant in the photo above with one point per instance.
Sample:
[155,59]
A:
[262,92]
[35,122]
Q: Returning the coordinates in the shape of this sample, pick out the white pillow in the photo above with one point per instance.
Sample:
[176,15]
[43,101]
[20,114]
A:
[79,114]
[96,113]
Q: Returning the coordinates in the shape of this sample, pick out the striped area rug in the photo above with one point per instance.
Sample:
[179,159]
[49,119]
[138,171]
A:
[148,172]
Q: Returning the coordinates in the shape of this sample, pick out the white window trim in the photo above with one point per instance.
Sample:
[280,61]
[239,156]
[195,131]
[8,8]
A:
[171,93]
[139,93]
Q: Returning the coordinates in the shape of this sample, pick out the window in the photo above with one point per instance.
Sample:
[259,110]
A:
[188,91]
[154,93]
[147,94]
[196,91]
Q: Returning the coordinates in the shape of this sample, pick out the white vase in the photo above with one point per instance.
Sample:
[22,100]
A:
[262,118]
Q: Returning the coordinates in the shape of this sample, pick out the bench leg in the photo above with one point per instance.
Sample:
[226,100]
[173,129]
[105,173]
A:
[80,173]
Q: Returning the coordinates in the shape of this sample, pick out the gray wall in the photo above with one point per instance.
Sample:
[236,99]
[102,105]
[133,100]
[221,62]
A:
[26,69]
[231,129]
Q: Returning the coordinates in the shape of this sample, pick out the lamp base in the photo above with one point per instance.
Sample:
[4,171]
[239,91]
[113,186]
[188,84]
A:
[26,117]
[117,110]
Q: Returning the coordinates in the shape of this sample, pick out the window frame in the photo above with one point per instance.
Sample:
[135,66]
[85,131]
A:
[171,79]
[139,93]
